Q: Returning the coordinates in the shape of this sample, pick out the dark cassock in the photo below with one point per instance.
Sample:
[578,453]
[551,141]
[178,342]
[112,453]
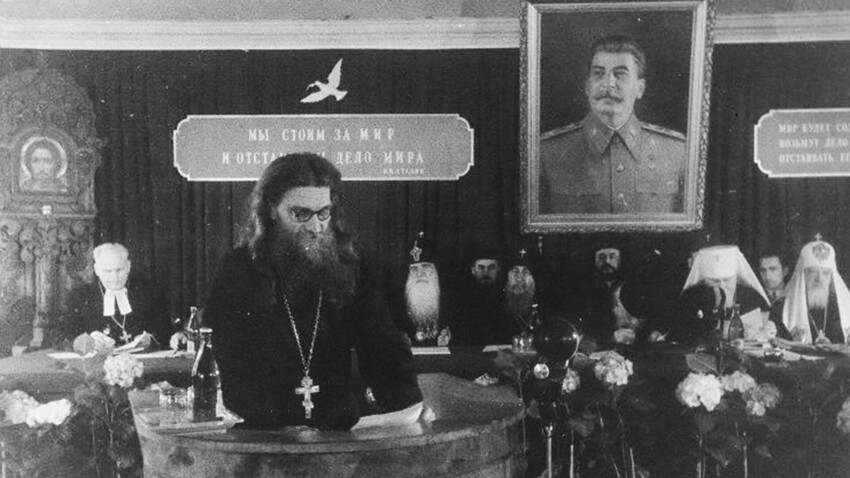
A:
[700,309]
[148,311]
[599,304]
[257,350]
[479,317]
[720,278]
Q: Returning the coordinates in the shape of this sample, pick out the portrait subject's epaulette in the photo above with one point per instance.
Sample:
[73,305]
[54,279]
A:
[666,132]
[559,131]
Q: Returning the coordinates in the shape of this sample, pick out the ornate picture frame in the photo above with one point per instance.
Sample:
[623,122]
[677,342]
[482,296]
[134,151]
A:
[614,115]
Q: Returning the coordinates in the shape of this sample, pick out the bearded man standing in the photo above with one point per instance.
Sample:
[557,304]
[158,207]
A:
[291,301]
[816,306]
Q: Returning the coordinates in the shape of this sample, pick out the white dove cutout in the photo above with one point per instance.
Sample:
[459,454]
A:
[327,89]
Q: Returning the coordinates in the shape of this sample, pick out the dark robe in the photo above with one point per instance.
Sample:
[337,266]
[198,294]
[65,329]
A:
[833,320]
[590,305]
[83,313]
[695,317]
[260,365]
[480,317]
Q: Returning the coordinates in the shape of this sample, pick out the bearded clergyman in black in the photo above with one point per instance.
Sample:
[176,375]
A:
[291,301]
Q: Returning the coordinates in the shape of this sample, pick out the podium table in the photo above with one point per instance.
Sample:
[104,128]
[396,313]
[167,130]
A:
[476,433]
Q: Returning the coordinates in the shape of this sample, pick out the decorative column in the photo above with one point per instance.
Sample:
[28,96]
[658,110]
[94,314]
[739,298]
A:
[49,152]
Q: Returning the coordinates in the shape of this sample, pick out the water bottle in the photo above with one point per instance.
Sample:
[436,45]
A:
[736,325]
[205,381]
[192,331]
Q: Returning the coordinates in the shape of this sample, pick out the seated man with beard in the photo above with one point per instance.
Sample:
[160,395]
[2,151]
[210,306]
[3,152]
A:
[480,302]
[816,306]
[289,304]
[601,302]
[720,278]
[422,296]
[520,297]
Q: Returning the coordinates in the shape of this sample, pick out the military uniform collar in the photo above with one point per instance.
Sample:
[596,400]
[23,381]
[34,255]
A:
[599,134]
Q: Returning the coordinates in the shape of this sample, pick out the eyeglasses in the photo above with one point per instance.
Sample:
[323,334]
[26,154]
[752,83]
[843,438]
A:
[304,214]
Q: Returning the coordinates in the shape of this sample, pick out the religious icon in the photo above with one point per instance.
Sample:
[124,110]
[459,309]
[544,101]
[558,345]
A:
[43,166]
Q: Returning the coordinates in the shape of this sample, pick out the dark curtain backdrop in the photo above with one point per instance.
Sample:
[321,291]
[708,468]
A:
[177,230]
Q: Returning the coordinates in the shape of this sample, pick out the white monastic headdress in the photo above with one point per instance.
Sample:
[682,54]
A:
[795,311]
[719,262]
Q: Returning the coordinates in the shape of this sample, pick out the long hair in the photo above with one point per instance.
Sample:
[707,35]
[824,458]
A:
[282,175]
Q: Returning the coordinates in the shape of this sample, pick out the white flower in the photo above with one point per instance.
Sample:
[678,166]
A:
[843,418]
[767,394]
[611,368]
[122,370]
[755,408]
[738,381]
[571,381]
[16,405]
[55,412]
[699,388]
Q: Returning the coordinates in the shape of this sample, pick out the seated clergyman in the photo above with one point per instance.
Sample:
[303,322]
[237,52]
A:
[289,304]
[520,292]
[816,307]
[117,304]
[720,278]
[424,309]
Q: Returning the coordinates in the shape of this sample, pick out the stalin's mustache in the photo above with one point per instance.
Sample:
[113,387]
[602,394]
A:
[607,94]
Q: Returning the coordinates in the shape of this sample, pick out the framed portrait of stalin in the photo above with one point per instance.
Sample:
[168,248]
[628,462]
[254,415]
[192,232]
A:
[614,115]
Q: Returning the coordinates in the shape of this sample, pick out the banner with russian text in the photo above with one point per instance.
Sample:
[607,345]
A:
[803,143]
[384,147]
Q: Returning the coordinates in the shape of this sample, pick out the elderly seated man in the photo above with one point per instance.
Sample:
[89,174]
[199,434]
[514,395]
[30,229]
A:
[116,304]
[816,307]
[720,278]
[425,309]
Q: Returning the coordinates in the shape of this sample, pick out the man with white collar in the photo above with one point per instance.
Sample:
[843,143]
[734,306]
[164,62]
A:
[113,304]
[816,307]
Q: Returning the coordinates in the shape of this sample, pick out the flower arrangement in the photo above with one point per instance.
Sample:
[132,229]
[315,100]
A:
[729,409]
[585,400]
[89,435]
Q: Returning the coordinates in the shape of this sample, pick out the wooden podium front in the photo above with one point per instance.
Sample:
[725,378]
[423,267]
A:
[477,433]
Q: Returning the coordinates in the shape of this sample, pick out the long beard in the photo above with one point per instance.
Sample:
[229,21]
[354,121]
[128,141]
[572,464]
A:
[817,298]
[306,262]
[519,300]
[423,302]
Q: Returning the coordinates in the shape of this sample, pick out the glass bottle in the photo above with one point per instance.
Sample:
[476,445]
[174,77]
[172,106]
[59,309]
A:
[736,325]
[192,334]
[205,380]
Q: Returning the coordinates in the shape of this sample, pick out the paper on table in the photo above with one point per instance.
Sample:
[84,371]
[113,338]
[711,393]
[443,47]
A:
[430,350]
[163,354]
[401,417]
[70,355]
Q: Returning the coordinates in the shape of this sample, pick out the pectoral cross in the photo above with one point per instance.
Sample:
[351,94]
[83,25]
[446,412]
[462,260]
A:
[125,336]
[307,389]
